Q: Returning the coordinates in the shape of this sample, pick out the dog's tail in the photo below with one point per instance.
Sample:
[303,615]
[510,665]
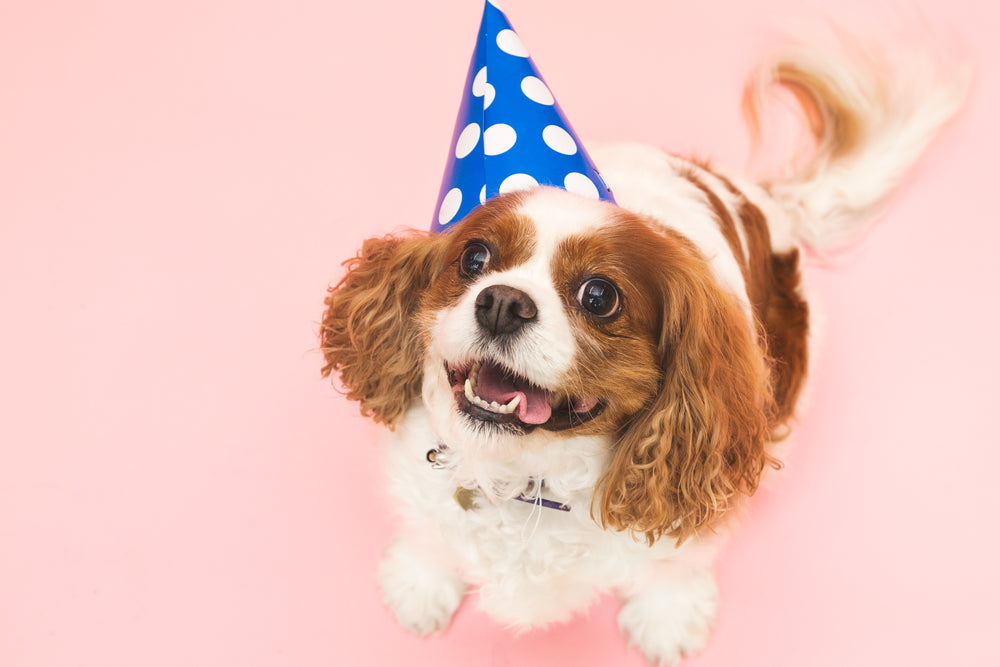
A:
[870,119]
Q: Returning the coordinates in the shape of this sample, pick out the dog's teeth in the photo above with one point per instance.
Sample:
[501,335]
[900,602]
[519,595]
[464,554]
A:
[509,407]
[471,387]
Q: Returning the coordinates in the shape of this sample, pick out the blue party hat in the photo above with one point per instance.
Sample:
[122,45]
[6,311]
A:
[510,133]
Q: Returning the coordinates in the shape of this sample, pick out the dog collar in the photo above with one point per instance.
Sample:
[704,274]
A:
[466,498]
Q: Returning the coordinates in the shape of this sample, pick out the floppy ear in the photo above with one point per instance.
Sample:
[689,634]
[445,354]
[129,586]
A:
[368,334]
[700,442]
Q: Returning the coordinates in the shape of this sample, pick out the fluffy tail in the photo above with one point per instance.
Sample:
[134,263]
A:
[870,119]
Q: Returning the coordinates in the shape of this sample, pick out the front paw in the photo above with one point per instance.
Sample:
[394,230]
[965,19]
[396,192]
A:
[421,593]
[671,619]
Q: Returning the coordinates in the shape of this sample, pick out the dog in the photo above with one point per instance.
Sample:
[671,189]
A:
[580,396]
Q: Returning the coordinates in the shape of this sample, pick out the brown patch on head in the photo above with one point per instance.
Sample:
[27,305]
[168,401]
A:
[617,356]
[508,234]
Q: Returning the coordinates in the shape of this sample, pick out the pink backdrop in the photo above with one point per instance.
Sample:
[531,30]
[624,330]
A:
[178,184]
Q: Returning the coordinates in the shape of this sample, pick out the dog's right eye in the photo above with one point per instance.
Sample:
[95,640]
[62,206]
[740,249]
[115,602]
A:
[474,259]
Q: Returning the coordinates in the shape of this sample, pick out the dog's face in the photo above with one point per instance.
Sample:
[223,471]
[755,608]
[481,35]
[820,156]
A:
[545,322]
[544,316]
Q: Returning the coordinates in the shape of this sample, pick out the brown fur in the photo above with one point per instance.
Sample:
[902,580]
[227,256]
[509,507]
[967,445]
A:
[368,335]
[728,228]
[509,236]
[787,323]
[617,357]
[830,117]
[781,309]
[699,442]
[831,113]
[773,282]
[371,333]
[689,391]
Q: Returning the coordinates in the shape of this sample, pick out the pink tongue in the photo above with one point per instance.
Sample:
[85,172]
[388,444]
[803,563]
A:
[495,385]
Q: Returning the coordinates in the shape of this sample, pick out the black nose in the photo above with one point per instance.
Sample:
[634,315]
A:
[503,310]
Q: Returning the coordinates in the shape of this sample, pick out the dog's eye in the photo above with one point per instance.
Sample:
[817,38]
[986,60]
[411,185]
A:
[474,259]
[599,296]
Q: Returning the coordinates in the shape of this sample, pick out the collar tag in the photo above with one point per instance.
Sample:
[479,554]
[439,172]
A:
[466,498]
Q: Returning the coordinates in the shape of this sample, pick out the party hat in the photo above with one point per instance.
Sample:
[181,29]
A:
[510,133]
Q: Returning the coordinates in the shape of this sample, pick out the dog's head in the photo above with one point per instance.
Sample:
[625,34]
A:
[544,316]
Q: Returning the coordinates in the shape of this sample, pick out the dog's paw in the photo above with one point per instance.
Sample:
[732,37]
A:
[671,619]
[421,594]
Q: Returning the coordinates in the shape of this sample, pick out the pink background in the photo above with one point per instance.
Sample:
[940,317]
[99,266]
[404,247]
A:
[178,184]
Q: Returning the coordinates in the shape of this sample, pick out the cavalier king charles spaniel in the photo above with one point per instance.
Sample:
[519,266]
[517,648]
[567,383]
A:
[579,395]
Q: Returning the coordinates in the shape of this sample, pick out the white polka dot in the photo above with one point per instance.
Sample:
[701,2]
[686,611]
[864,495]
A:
[495,4]
[489,94]
[449,206]
[479,83]
[536,90]
[467,140]
[559,140]
[578,183]
[509,42]
[482,195]
[516,182]
[498,139]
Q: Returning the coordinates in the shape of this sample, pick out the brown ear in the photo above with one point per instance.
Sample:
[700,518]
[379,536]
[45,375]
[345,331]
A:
[700,443]
[368,334]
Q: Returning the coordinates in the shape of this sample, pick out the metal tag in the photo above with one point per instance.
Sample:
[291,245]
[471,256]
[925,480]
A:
[466,498]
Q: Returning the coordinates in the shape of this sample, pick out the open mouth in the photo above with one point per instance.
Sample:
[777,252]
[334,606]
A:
[486,391]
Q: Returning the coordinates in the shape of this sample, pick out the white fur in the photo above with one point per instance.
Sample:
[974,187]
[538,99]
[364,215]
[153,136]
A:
[534,565]
[546,351]
[527,575]
[672,617]
[422,593]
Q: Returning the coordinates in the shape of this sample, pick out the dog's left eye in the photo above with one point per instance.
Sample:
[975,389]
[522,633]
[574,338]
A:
[474,259]
[600,297]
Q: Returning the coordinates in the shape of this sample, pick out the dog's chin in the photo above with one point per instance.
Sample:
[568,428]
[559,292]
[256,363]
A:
[491,398]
